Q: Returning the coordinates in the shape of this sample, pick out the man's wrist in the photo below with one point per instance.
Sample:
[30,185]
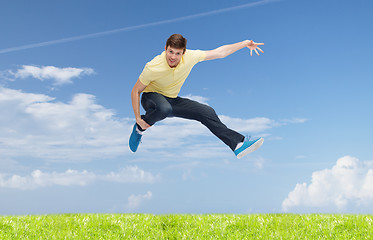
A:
[246,42]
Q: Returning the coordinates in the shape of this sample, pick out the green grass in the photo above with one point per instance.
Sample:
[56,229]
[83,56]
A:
[175,226]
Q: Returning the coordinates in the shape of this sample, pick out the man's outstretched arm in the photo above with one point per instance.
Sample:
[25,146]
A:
[225,50]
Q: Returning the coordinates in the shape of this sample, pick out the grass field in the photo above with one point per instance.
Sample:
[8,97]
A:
[209,226]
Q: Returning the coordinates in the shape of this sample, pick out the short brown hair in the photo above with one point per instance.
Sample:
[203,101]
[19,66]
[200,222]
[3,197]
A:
[176,41]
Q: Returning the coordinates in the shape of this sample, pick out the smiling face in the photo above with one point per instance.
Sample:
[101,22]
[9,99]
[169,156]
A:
[173,56]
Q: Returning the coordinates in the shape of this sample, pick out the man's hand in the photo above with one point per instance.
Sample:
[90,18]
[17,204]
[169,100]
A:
[254,46]
[144,125]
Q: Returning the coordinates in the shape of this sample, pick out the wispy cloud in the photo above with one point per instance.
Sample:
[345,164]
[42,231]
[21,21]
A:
[38,179]
[294,120]
[197,98]
[59,76]
[134,201]
[136,27]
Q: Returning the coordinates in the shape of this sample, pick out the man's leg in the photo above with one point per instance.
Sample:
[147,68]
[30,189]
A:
[156,106]
[189,109]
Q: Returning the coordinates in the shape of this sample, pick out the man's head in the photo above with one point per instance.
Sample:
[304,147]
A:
[175,48]
[177,41]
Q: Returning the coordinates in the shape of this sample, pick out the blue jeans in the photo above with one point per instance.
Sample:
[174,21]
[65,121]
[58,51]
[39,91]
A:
[158,107]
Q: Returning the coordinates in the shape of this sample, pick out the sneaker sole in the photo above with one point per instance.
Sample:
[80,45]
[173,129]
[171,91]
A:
[251,149]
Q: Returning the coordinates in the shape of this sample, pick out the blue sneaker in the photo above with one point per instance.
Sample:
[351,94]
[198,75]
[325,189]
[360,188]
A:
[135,139]
[248,147]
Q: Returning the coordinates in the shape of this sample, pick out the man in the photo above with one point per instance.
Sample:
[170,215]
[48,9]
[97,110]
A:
[160,83]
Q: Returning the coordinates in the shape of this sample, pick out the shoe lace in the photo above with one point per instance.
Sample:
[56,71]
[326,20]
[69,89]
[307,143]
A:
[139,137]
[248,137]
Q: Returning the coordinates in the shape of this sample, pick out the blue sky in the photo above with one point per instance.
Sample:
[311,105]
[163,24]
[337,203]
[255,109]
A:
[67,69]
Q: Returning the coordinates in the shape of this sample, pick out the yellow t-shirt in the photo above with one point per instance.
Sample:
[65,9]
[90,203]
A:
[159,77]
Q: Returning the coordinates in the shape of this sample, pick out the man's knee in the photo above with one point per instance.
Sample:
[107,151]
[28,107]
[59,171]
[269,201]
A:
[207,113]
[164,110]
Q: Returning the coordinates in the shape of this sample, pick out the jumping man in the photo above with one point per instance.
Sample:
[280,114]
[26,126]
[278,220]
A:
[160,83]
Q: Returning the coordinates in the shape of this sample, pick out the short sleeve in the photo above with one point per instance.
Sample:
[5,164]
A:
[145,76]
[196,55]
[202,55]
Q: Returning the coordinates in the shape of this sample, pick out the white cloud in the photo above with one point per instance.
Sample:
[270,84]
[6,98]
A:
[294,120]
[59,76]
[38,179]
[347,186]
[174,132]
[258,162]
[8,95]
[36,126]
[134,201]
[252,125]
[131,174]
[199,99]
[186,168]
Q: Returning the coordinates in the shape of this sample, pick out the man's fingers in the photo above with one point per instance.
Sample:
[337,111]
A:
[254,46]
[144,125]
[147,125]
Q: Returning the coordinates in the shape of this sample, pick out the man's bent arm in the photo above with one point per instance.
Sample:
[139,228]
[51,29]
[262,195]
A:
[226,50]
[135,97]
